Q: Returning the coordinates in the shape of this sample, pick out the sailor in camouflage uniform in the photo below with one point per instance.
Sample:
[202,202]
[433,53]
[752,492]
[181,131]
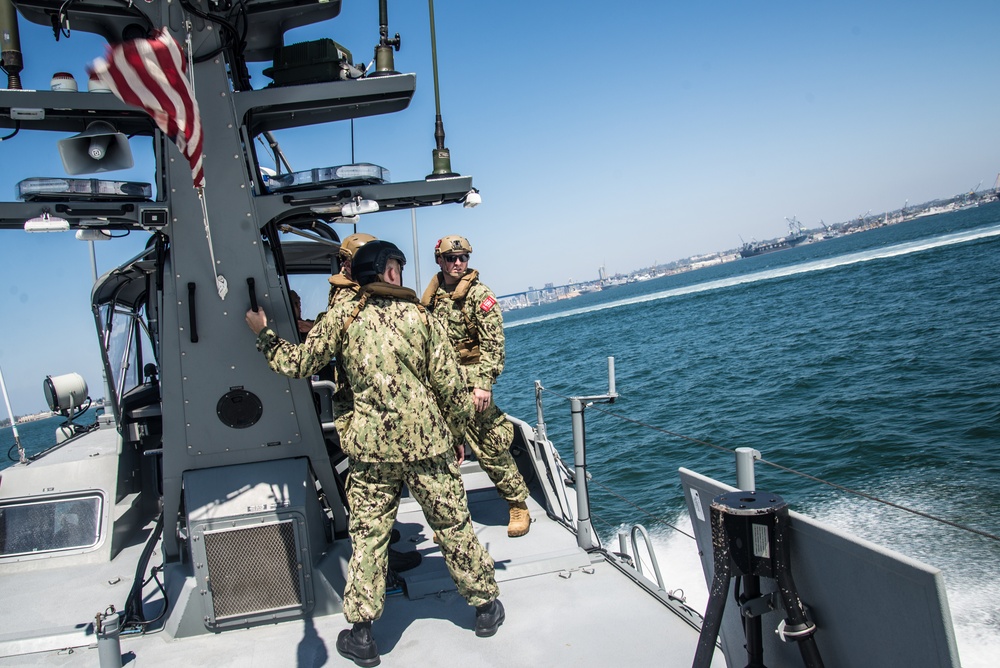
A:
[469,309]
[411,408]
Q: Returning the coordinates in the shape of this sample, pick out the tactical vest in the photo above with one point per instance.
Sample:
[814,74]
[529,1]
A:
[340,284]
[467,348]
[383,289]
[340,281]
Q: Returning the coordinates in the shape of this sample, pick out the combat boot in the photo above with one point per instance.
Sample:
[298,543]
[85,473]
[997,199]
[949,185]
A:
[489,617]
[358,645]
[403,561]
[520,520]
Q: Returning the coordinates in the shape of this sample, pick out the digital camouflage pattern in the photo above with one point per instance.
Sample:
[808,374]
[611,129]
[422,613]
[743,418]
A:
[470,313]
[342,289]
[411,404]
[373,495]
[410,400]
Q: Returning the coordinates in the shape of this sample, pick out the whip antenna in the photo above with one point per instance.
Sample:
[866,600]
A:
[441,155]
[13,423]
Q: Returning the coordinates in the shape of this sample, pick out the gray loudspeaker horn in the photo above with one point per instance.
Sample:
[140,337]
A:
[97,149]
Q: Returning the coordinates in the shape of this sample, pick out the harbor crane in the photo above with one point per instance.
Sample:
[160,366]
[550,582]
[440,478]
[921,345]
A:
[794,226]
[971,195]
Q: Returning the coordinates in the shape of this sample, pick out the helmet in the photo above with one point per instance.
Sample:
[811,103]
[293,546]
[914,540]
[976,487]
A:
[350,245]
[452,244]
[371,259]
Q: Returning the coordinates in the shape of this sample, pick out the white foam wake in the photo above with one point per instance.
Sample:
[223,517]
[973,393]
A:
[972,592]
[825,264]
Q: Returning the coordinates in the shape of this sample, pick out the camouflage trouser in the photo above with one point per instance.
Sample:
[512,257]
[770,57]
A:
[490,435]
[373,491]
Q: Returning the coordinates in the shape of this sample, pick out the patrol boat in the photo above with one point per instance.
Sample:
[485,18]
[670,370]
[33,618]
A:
[201,519]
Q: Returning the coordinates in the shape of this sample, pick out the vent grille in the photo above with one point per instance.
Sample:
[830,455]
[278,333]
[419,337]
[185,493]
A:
[253,569]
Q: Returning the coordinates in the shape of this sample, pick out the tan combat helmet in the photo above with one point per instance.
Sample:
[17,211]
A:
[452,244]
[350,245]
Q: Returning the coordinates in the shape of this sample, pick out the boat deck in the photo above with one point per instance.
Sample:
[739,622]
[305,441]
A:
[563,606]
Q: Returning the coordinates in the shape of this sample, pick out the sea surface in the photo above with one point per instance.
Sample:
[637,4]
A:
[870,361]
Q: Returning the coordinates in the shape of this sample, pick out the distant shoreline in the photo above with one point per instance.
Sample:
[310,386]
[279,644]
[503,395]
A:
[552,293]
[22,419]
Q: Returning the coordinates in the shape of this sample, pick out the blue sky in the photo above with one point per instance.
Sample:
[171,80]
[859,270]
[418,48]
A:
[620,134]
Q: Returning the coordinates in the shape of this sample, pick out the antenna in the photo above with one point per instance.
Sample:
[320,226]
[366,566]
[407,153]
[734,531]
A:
[13,422]
[384,62]
[441,155]
[10,51]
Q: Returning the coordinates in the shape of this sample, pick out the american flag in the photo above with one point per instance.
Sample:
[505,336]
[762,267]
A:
[150,73]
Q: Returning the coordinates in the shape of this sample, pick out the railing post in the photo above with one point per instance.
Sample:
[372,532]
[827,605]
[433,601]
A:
[540,434]
[745,479]
[584,529]
[612,393]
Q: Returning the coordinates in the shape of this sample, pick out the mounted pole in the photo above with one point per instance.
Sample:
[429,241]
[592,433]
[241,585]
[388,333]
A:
[745,479]
[585,537]
[584,529]
[384,62]
[441,156]
[13,423]
[416,251]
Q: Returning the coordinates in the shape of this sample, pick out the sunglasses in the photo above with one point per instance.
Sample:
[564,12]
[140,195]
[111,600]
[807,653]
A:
[464,257]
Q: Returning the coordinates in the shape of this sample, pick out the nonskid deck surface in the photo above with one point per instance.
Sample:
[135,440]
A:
[562,609]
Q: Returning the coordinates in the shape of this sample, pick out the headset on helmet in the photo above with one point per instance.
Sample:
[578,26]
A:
[350,245]
[452,244]
[371,259]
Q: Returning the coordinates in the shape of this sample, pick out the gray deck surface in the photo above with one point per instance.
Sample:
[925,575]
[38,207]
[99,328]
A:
[562,610]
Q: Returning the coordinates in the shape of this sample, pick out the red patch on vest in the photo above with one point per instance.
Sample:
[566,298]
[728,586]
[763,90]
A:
[487,304]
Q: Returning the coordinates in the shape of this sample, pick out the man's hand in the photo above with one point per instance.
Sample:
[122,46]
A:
[481,399]
[256,320]
[460,452]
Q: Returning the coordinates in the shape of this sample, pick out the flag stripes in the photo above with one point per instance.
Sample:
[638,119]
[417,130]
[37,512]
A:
[150,74]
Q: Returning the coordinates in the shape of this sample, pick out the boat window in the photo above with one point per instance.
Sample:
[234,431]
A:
[50,525]
[127,347]
[313,290]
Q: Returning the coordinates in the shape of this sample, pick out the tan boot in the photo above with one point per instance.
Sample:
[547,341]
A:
[520,520]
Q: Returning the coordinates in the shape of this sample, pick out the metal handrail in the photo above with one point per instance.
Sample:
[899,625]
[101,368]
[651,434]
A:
[637,530]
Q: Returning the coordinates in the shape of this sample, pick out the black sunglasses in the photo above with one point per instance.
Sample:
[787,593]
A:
[464,257]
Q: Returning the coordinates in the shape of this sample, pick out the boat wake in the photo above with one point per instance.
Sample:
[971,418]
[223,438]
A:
[824,264]
[966,564]
[972,590]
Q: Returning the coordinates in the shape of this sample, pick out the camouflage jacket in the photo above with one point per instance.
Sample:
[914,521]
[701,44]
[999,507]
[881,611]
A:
[342,289]
[410,401]
[475,326]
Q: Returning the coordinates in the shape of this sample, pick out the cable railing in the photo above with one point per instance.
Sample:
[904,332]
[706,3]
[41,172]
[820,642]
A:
[745,459]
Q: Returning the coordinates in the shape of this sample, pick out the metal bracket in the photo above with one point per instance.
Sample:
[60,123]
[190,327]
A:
[759,605]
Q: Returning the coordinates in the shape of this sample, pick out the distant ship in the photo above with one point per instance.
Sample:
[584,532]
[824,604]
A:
[794,238]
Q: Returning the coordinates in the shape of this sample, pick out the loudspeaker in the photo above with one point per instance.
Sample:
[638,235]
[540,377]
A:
[97,149]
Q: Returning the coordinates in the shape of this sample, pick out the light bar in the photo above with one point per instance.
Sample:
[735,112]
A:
[363,173]
[39,188]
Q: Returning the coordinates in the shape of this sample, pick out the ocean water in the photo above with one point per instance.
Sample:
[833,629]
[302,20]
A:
[870,361]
